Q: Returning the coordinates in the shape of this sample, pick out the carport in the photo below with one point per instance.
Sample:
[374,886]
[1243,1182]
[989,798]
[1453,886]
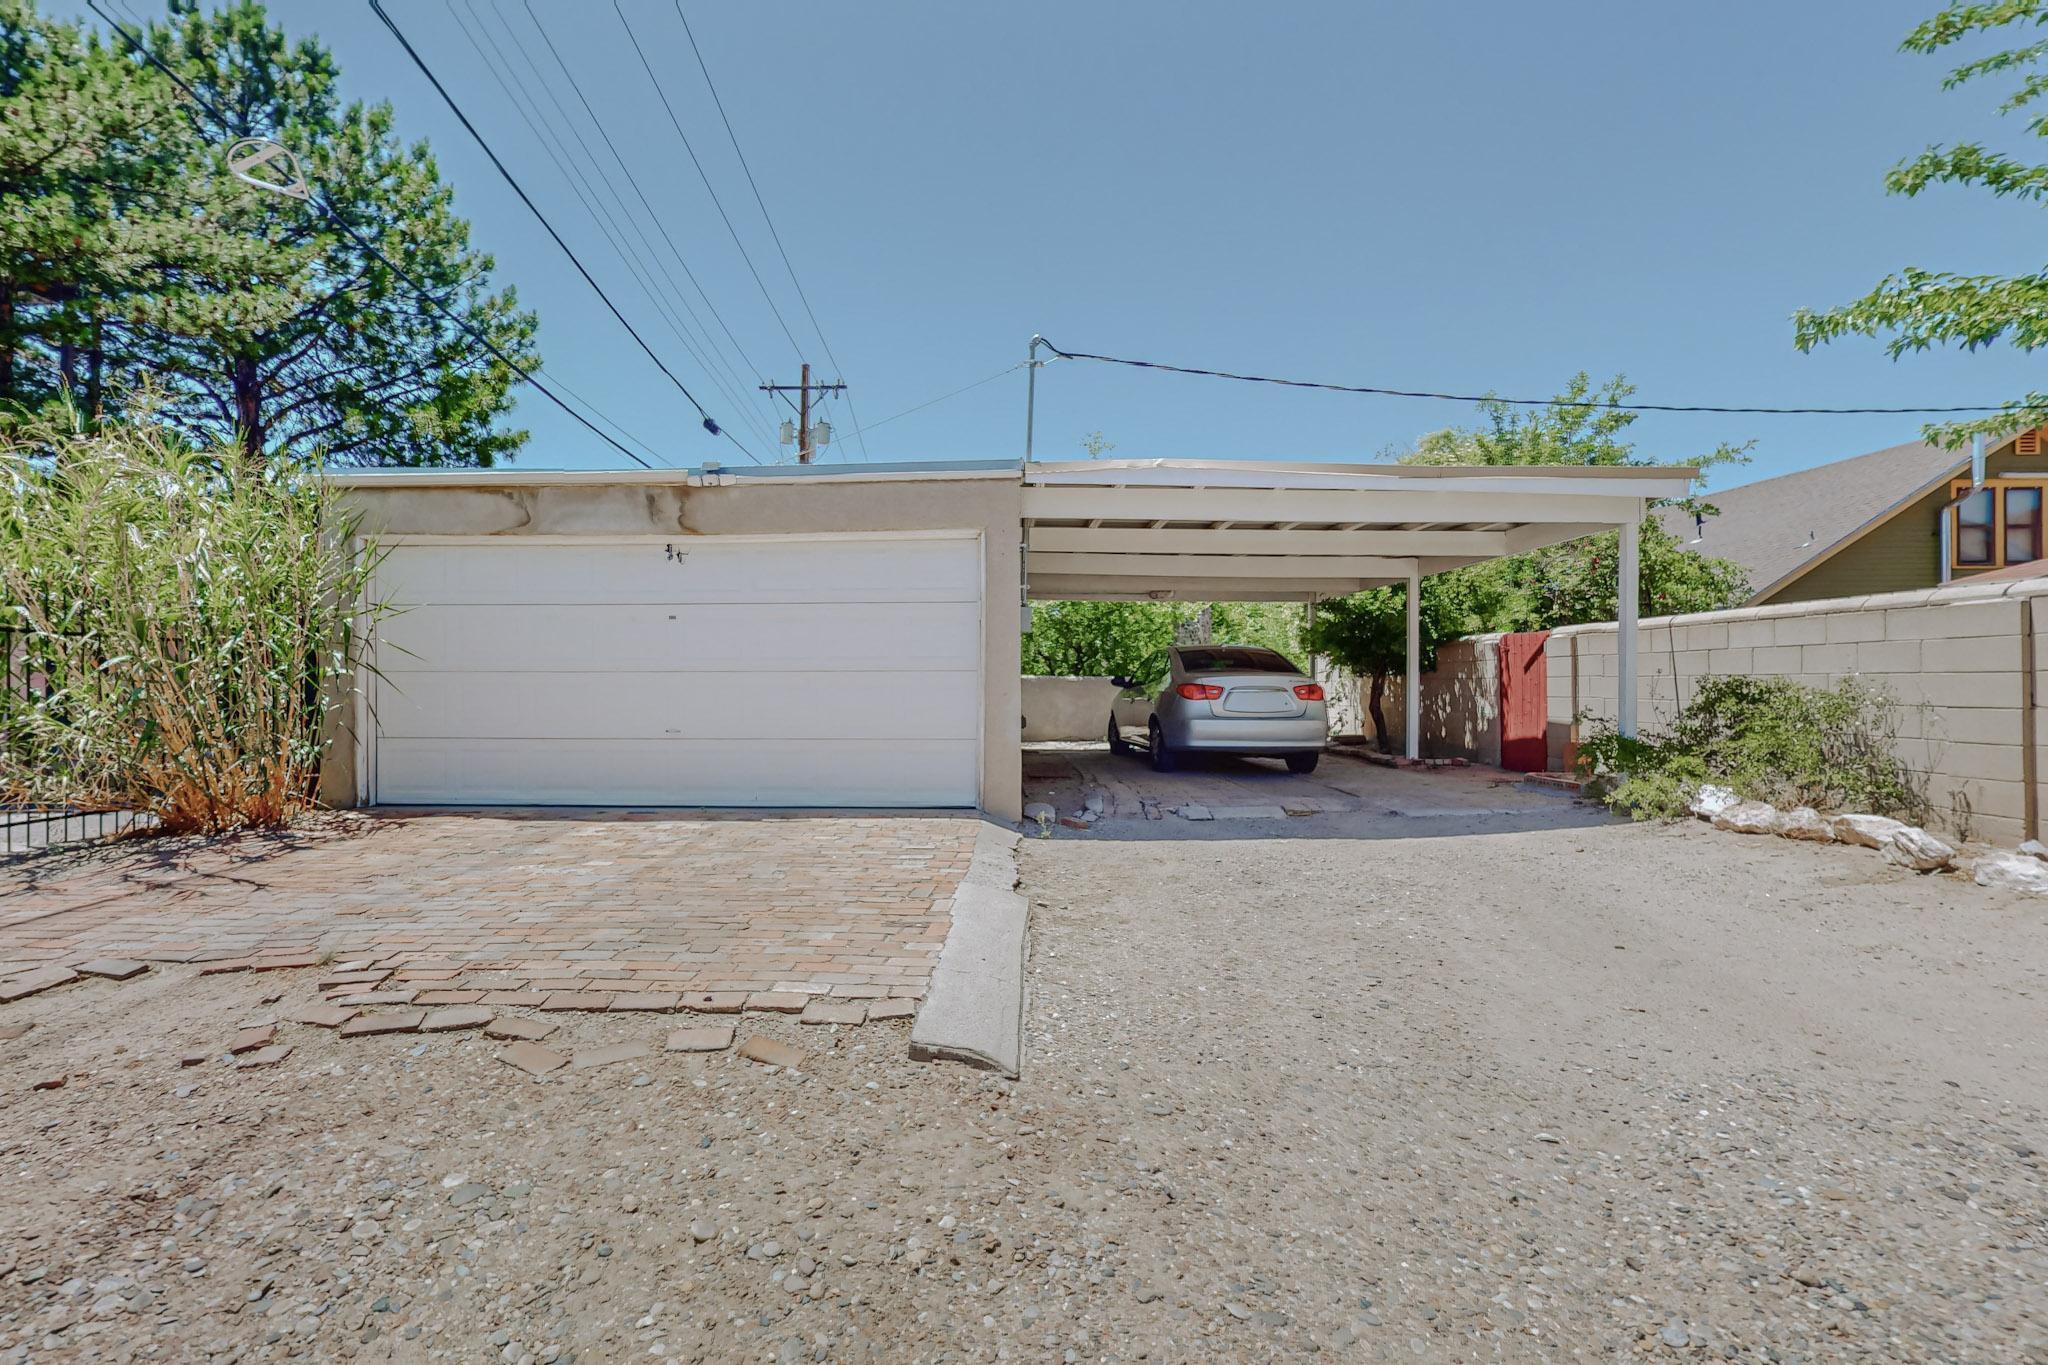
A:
[840,635]
[1209,530]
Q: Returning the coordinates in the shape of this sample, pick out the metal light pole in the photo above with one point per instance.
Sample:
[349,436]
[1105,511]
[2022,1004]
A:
[1031,364]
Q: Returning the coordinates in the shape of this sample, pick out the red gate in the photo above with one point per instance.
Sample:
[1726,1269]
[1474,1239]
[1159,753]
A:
[1524,702]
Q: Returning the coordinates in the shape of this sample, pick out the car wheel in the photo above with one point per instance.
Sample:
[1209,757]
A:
[1164,760]
[1302,763]
[1117,743]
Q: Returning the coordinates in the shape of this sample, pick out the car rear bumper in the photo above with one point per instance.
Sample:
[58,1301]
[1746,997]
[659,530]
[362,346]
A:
[1256,735]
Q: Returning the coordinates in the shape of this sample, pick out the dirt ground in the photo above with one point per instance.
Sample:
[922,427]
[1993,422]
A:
[1453,1087]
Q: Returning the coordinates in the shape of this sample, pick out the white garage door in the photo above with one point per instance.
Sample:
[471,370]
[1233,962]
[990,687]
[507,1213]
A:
[813,672]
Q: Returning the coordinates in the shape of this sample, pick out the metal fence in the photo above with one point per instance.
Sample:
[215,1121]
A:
[26,683]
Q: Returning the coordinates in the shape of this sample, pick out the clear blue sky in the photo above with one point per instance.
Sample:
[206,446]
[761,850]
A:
[1470,197]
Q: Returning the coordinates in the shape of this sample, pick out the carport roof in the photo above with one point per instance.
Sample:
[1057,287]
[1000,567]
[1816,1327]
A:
[1218,530]
[1271,531]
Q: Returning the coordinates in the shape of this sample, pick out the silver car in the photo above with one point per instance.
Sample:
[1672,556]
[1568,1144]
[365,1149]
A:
[1223,699]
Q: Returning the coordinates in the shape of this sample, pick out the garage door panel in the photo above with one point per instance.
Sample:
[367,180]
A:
[695,672]
[849,636]
[584,705]
[582,572]
[685,772]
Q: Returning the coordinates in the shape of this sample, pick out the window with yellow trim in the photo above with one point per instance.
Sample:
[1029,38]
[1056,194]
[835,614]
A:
[1997,524]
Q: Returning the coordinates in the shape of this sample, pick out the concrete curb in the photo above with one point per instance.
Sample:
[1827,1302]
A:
[974,1012]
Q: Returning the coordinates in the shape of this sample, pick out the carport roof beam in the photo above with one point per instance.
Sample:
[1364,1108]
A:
[1249,530]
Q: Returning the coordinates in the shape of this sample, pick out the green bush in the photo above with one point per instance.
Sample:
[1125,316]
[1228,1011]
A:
[1768,739]
[179,625]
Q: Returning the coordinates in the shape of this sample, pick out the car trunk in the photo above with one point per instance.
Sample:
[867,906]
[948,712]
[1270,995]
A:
[1255,694]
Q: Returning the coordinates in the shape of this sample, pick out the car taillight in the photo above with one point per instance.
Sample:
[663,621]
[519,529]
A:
[1199,691]
[1309,691]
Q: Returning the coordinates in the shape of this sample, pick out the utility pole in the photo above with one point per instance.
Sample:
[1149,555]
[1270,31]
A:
[804,434]
[1031,364]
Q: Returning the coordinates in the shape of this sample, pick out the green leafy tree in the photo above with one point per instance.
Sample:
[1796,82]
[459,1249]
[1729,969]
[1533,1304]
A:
[1574,583]
[1098,639]
[1129,639]
[1367,632]
[1274,625]
[1560,585]
[1918,309]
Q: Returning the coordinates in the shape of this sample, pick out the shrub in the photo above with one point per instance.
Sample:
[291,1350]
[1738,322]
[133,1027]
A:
[1769,739]
[187,620]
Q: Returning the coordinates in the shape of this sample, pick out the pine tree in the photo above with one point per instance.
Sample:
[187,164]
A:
[130,260]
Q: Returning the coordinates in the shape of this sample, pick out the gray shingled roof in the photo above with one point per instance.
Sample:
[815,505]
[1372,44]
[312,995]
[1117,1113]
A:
[1773,527]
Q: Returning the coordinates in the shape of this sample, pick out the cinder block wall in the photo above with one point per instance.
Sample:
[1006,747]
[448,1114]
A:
[1959,661]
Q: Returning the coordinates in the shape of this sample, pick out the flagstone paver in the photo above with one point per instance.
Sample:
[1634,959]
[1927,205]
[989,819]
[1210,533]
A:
[700,1038]
[834,1012]
[32,982]
[113,968]
[455,1017]
[534,1059]
[391,1021]
[714,909]
[524,1030]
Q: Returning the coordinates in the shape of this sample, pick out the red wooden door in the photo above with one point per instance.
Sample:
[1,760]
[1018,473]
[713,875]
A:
[1524,702]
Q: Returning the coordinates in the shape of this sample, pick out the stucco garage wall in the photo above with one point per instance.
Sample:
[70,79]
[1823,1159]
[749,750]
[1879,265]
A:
[1067,708]
[1460,703]
[674,504]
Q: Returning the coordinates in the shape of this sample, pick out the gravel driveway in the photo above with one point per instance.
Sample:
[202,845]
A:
[1564,1092]
[1409,1089]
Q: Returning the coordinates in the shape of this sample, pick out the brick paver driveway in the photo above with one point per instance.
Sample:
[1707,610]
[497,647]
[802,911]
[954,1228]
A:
[516,907]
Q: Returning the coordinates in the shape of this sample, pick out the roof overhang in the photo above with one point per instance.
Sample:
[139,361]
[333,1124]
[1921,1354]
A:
[1214,530]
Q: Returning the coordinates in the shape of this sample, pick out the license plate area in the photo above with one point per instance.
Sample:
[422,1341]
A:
[1258,701]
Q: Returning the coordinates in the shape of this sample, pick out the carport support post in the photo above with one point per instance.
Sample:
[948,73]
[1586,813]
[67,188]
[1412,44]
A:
[1628,585]
[1411,695]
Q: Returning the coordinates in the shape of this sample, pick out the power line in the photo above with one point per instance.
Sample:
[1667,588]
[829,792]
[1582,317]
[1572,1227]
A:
[647,206]
[1007,369]
[1513,402]
[419,290]
[711,426]
[676,123]
[500,69]
[762,204]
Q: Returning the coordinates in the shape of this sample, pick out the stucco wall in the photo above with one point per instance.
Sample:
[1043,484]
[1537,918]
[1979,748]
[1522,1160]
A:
[1460,703]
[1066,708]
[1951,657]
[747,506]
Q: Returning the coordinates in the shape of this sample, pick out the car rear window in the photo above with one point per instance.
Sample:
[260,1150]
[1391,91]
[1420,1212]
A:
[1228,658]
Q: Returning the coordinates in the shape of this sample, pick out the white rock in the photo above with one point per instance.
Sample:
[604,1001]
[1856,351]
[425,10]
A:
[1868,831]
[2011,872]
[1914,847]
[1708,800]
[1040,812]
[1804,822]
[1750,817]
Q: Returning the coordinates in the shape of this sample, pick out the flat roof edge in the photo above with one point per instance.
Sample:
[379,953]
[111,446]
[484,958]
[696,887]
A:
[703,477]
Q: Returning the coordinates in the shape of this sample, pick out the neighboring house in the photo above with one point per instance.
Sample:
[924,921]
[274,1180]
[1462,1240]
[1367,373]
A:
[1872,523]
